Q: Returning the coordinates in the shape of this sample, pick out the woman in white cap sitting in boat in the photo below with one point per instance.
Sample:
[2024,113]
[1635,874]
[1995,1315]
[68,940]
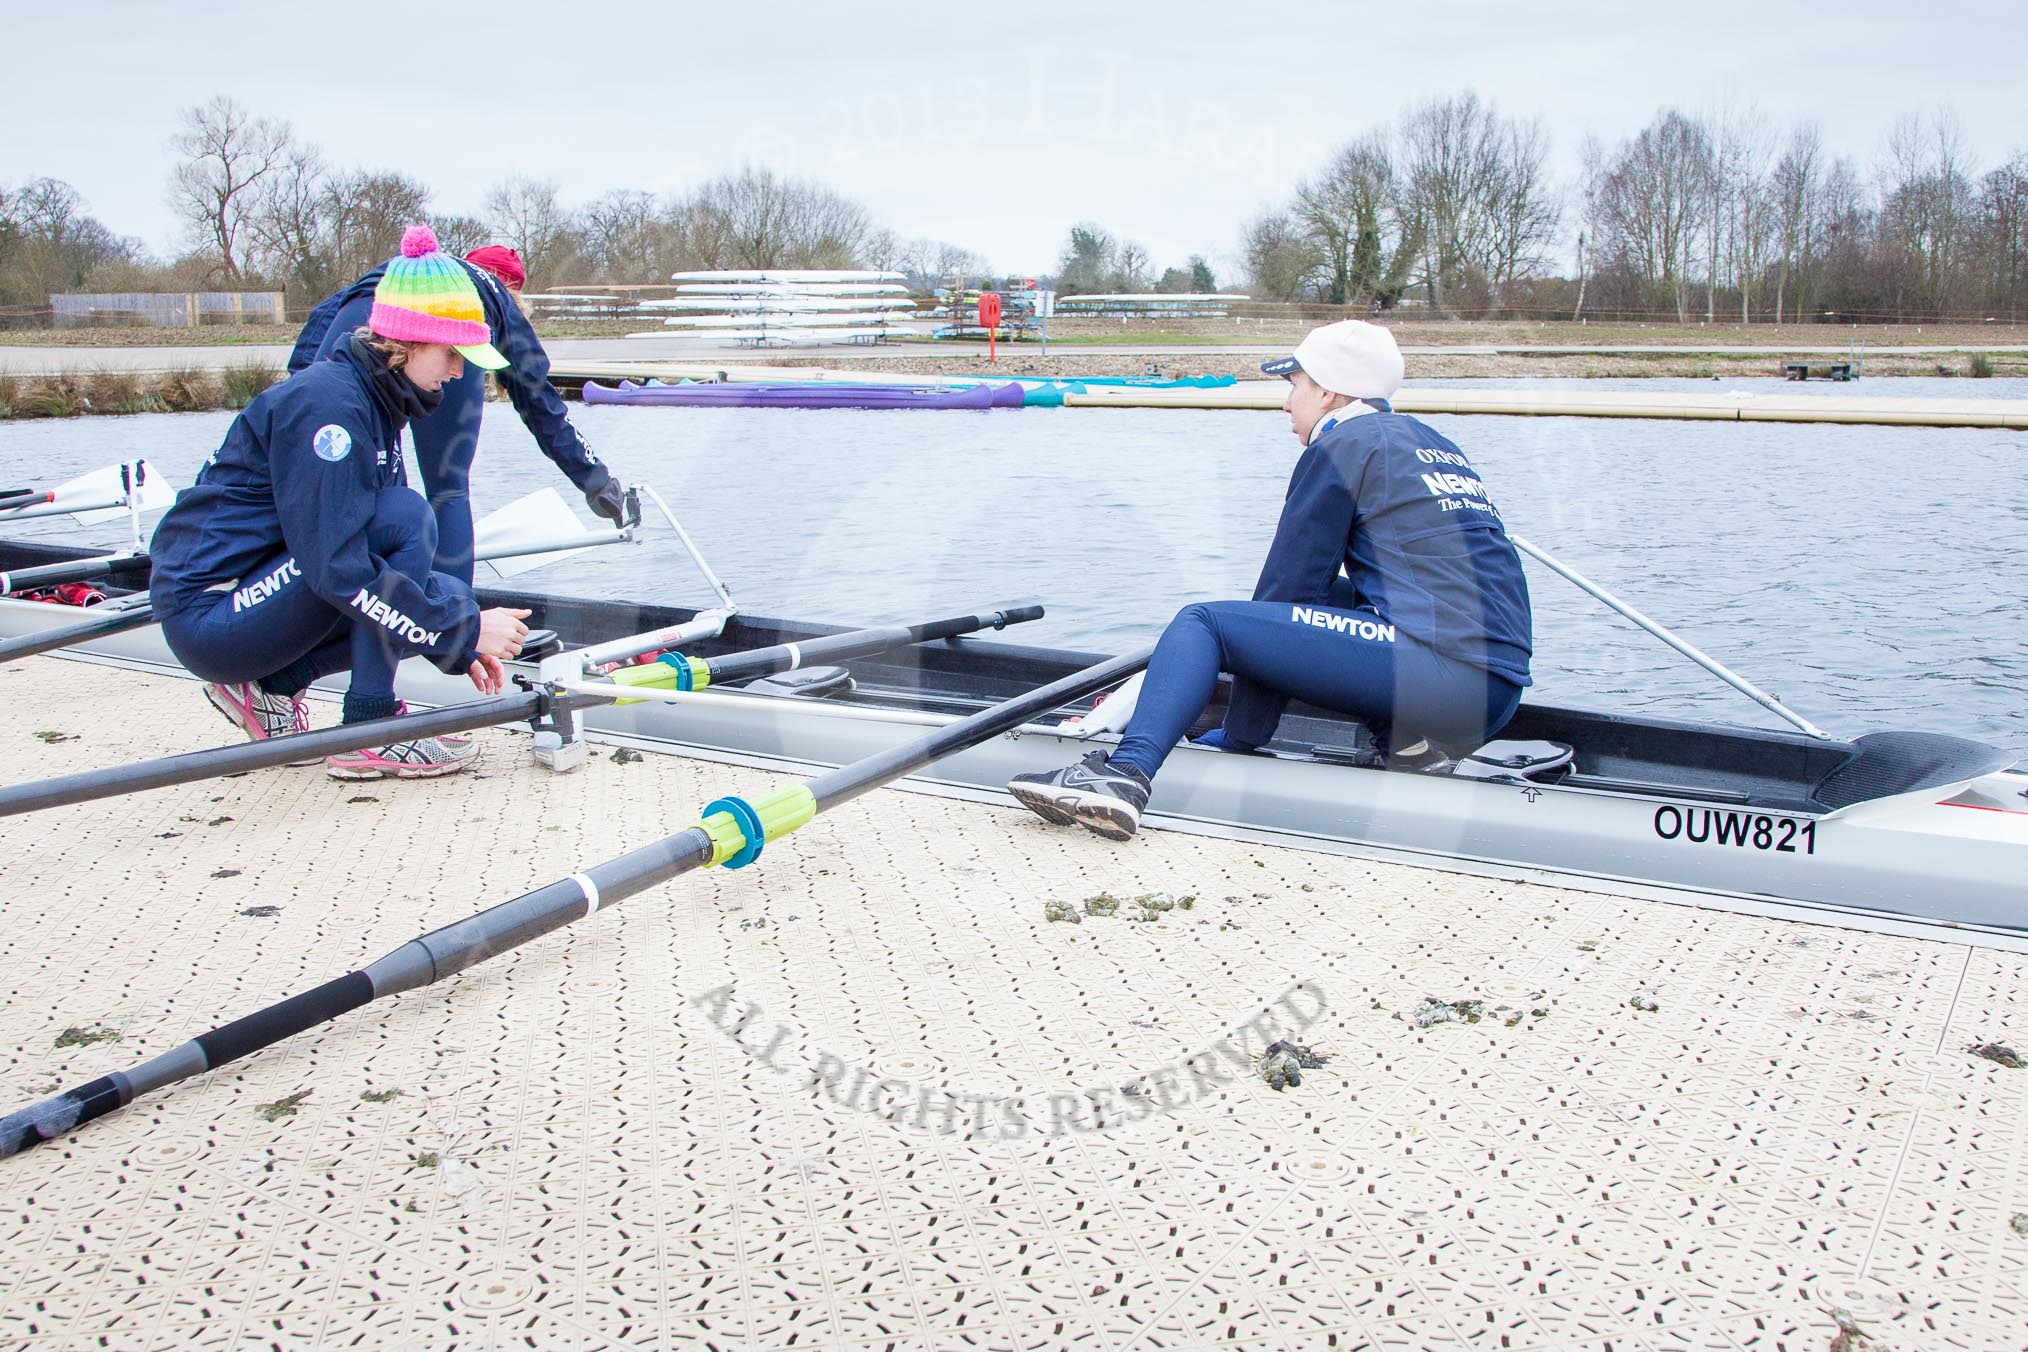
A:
[1391,593]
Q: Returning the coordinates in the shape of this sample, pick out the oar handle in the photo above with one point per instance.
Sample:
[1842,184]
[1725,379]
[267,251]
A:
[232,760]
[104,621]
[76,570]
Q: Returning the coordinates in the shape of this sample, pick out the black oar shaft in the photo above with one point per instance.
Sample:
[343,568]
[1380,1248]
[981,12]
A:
[77,570]
[104,622]
[787,656]
[467,942]
[214,762]
[849,781]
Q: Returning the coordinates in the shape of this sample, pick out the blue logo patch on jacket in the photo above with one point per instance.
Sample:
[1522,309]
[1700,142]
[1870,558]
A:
[332,443]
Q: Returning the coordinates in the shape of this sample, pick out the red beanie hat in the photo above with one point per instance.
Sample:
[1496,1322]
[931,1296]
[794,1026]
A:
[502,262]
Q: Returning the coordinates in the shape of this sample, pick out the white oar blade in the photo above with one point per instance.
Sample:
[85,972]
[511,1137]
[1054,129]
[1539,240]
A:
[156,493]
[101,496]
[97,488]
[540,517]
[1113,711]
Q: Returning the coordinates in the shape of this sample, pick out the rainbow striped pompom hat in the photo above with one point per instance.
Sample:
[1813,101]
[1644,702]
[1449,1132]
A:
[426,296]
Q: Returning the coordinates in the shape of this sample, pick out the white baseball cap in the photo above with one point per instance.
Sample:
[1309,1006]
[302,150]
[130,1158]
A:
[1350,357]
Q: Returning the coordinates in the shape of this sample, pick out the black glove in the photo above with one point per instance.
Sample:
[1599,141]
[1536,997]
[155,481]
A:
[608,500]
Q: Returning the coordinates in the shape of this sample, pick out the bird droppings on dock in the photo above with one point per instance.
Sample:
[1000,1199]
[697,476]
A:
[1646,1004]
[283,1107]
[626,755]
[261,912]
[87,1037]
[859,1155]
[380,1095]
[1283,1064]
[225,873]
[1433,1011]
[1999,1053]
[52,738]
[1061,912]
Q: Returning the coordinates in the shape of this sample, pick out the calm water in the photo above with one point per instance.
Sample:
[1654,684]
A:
[1872,577]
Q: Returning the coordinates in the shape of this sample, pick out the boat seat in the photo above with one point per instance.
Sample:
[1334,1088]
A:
[804,683]
[1514,761]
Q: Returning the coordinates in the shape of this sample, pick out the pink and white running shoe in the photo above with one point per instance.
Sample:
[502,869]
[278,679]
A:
[421,758]
[258,714]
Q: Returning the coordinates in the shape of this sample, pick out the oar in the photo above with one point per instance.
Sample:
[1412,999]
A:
[731,833]
[674,671]
[298,746]
[77,570]
[112,617]
[119,617]
[1683,646]
[102,495]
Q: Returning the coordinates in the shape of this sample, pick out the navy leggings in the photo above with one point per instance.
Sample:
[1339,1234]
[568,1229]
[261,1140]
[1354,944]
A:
[292,636]
[1335,657]
[446,443]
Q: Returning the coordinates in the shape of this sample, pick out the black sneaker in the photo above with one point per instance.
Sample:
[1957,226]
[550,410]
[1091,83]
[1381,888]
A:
[1091,793]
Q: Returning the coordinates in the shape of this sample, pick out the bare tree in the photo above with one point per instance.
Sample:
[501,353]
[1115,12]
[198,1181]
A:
[754,219]
[1797,185]
[369,211]
[1743,216]
[1281,257]
[1523,210]
[1349,210]
[2003,235]
[1926,212]
[1449,163]
[524,212]
[1646,206]
[289,228]
[928,263]
[624,236]
[227,154]
[459,234]
[49,243]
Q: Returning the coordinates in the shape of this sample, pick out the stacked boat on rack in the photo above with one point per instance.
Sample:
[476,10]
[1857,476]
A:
[782,307]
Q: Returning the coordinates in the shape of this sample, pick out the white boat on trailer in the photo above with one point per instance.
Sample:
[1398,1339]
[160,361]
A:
[1885,830]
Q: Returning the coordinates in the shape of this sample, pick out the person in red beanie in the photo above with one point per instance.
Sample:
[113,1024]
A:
[447,441]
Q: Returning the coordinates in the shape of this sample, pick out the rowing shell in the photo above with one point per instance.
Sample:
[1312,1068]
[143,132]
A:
[1891,830]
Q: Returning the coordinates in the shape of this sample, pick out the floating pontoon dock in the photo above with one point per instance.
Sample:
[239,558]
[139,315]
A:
[840,1099]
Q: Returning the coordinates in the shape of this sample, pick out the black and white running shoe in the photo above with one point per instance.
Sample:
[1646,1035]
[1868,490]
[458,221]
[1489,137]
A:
[1091,794]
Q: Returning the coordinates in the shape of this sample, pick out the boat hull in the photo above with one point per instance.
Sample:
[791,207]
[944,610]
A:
[1951,853]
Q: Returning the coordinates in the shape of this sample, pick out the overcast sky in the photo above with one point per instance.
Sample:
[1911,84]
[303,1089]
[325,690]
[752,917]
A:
[993,127]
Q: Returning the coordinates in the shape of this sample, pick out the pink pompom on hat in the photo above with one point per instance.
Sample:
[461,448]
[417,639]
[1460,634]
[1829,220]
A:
[426,296]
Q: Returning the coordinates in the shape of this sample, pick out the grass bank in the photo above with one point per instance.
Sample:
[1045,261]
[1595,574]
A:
[72,394]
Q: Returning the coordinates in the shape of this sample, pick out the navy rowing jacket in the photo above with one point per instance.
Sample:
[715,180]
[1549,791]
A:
[526,379]
[1402,511]
[299,471]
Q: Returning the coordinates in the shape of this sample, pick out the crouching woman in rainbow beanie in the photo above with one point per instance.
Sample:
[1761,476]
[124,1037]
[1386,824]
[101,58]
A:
[300,551]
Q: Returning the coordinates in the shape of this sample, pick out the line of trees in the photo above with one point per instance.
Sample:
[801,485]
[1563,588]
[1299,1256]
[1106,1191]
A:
[1454,204]
[260,208]
[1715,216]
[1728,216]
[1450,208]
